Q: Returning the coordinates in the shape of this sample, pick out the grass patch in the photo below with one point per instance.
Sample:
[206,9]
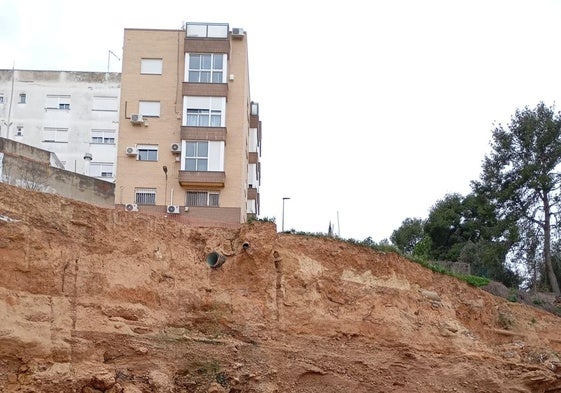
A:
[384,246]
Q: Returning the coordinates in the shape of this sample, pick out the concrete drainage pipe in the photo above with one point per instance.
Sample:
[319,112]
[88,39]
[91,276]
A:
[215,260]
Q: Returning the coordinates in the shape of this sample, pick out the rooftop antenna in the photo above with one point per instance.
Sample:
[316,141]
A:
[109,53]
[9,122]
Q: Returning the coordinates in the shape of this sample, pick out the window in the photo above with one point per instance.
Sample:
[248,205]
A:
[22,98]
[57,101]
[203,118]
[19,131]
[202,156]
[147,152]
[149,108]
[145,196]
[101,169]
[202,198]
[206,68]
[53,134]
[103,136]
[151,66]
[1,98]
[207,30]
[196,156]
[204,111]
[105,104]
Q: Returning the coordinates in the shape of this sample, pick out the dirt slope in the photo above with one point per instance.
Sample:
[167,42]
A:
[95,300]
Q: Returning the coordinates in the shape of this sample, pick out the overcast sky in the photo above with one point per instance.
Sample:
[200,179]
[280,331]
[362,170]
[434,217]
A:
[372,110]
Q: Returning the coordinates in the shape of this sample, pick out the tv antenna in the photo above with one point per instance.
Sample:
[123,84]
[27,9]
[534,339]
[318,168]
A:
[109,53]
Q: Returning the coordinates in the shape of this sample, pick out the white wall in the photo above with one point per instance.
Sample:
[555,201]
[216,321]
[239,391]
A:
[80,119]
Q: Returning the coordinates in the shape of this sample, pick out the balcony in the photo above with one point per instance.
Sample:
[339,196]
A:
[207,38]
[254,115]
[253,157]
[205,89]
[202,179]
[206,30]
[189,133]
[252,193]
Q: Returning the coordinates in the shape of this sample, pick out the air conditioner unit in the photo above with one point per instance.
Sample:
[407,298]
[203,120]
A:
[132,151]
[237,32]
[175,147]
[136,119]
[131,207]
[173,209]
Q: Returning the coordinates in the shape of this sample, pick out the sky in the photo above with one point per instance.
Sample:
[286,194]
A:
[371,111]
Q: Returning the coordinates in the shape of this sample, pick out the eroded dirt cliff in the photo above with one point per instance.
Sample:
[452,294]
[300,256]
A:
[95,300]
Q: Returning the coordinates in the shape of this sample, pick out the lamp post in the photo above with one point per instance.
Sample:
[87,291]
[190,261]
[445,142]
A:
[87,159]
[283,199]
[165,169]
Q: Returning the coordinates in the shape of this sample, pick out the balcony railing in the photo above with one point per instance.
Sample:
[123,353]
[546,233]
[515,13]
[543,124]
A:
[203,133]
[201,179]
[252,193]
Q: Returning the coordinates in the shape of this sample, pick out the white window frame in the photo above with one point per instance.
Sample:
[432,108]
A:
[149,149]
[151,66]
[202,199]
[22,98]
[251,206]
[103,136]
[199,159]
[102,169]
[55,135]
[215,156]
[204,107]
[149,108]
[212,71]
[105,104]
[144,195]
[57,102]
[206,30]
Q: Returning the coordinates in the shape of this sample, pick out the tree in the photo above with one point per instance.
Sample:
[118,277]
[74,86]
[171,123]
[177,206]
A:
[444,227]
[520,175]
[466,229]
[408,235]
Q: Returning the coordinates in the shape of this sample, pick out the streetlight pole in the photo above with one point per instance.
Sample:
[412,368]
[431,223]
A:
[87,159]
[283,199]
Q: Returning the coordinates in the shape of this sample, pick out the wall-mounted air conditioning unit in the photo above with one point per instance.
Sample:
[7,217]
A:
[173,209]
[137,119]
[132,151]
[131,207]
[237,32]
[175,147]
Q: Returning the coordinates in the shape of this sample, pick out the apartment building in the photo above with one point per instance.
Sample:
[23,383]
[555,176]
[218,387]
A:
[72,114]
[190,137]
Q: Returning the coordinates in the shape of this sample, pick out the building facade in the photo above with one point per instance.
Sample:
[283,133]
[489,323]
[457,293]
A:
[72,114]
[189,137]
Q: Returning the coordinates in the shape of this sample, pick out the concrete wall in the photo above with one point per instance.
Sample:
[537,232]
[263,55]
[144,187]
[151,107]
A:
[454,267]
[29,167]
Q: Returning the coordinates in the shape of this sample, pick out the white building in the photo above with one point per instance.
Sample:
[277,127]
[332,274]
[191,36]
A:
[73,114]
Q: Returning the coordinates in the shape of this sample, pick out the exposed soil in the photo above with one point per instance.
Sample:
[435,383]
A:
[97,300]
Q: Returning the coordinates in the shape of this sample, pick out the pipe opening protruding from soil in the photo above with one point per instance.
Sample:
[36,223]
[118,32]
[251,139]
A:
[215,260]
[245,246]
